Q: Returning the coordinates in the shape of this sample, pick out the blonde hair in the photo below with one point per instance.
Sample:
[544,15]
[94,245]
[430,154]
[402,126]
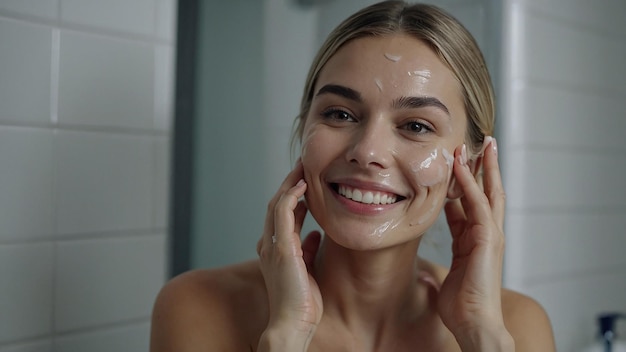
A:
[443,33]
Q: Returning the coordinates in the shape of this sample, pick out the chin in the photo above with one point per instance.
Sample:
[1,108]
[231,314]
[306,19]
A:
[360,236]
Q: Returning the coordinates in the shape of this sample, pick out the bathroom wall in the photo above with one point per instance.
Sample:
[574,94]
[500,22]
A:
[85,116]
[563,126]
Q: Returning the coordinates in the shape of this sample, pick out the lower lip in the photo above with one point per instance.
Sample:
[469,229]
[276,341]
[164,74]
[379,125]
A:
[361,208]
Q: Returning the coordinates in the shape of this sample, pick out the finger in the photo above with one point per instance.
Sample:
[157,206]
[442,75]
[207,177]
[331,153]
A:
[290,180]
[285,219]
[300,214]
[455,216]
[310,246]
[493,183]
[474,200]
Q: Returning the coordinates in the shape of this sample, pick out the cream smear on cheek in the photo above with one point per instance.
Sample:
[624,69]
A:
[434,169]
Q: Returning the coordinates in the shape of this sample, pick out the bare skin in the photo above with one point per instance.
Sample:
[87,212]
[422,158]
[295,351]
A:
[226,310]
[363,288]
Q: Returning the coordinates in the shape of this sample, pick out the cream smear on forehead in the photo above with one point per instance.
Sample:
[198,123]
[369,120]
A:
[379,84]
[394,58]
[421,75]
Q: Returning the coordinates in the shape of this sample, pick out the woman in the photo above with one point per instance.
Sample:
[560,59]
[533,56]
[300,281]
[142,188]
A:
[394,126]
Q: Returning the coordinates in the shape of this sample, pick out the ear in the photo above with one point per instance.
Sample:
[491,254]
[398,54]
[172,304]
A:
[454,189]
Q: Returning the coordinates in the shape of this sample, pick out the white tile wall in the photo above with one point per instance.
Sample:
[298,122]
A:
[105,81]
[568,243]
[547,109]
[103,182]
[161,187]
[166,20]
[565,160]
[594,66]
[25,57]
[595,16]
[47,9]
[101,281]
[125,338]
[26,183]
[136,17]
[38,346]
[575,179]
[164,87]
[26,290]
[85,132]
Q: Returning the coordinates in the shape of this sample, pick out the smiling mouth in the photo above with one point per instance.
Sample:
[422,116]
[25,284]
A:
[365,196]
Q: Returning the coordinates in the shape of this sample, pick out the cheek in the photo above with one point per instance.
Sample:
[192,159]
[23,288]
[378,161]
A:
[318,150]
[309,146]
[432,168]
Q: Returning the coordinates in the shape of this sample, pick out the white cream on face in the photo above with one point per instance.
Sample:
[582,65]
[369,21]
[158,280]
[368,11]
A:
[379,84]
[430,170]
[394,58]
[380,231]
[449,159]
[424,74]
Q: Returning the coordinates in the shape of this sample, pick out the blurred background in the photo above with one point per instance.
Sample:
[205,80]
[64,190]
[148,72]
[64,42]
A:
[143,138]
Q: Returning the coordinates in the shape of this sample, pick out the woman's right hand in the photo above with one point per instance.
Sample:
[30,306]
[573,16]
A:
[295,302]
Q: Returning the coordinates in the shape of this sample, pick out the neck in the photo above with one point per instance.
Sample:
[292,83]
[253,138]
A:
[370,291]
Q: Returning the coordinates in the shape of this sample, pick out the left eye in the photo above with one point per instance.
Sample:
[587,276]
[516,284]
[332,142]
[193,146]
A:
[417,127]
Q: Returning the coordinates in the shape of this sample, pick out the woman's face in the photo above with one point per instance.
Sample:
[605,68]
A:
[378,141]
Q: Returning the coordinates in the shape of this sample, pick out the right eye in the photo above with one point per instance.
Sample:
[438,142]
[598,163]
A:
[338,115]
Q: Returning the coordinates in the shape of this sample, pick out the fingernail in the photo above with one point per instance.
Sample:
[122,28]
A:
[300,183]
[494,146]
[463,155]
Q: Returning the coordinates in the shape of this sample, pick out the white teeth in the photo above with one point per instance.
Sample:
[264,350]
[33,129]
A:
[376,198]
[366,197]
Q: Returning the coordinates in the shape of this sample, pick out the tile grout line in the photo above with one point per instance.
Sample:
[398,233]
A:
[55,76]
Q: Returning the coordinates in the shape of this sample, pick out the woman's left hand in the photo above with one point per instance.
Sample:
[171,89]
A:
[469,299]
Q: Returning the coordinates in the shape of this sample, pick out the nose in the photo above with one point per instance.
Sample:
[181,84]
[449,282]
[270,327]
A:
[372,146]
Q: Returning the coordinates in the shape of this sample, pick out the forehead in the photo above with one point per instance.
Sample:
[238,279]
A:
[390,65]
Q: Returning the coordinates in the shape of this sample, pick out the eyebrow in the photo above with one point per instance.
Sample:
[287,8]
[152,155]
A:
[419,102]
[342,91]
[400,103]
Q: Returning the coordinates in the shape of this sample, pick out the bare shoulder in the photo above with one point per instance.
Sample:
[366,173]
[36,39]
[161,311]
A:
[525,318]
[218,309]
[528,322]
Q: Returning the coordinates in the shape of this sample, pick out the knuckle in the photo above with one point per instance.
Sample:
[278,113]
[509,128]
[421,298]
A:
[497,194]
[264,253]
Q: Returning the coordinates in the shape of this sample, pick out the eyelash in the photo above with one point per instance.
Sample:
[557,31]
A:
[424,128]
[334,114]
